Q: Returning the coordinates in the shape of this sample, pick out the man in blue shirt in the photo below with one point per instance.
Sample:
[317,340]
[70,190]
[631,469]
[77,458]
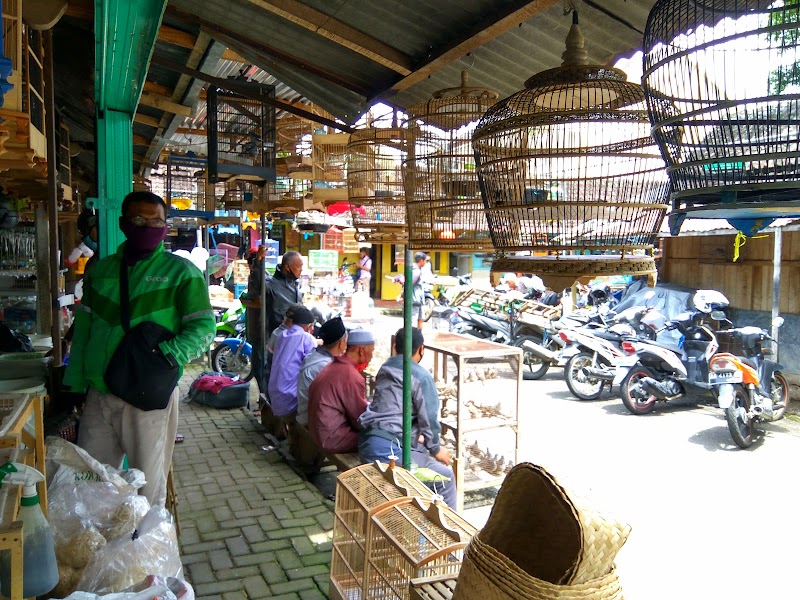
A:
[382,422]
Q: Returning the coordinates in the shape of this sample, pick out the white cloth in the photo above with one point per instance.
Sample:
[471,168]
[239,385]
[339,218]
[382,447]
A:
[111,428]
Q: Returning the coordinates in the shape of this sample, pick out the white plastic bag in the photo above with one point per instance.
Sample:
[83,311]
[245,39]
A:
[152,587]
[152,550]
[75,464]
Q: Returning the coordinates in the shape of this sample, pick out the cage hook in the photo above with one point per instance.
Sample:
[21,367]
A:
[392,456]
[569,6]
[437,497]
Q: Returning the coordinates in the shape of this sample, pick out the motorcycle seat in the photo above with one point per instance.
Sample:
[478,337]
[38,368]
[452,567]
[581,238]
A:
[607,335]
[670,347]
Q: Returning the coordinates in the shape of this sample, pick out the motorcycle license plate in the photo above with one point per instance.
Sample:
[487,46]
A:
[725,377]
[725,396]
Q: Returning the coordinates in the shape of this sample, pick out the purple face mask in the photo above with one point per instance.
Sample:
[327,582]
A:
[141,240]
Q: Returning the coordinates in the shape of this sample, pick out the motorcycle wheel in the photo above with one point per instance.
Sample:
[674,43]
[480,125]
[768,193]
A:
[780,395]
[740,429]
[427,309]
[583,388]
[224,359]
[630,395]
[533,367]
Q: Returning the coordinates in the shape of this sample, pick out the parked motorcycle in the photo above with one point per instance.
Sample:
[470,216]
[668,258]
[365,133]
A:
[593,351]
[228,321]
[233,354]
[750,387]
[659,371]
[427,287]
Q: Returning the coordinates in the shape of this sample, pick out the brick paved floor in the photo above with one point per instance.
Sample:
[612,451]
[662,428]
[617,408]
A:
[251,526]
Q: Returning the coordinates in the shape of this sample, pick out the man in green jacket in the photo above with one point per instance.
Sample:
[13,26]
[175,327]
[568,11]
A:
[163,288]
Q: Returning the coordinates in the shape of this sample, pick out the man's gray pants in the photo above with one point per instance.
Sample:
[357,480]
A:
[111,428]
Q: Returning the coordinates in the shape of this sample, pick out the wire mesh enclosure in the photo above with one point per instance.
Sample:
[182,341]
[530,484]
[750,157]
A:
[241,133]
[568,168]
[443,200]
[375,183]
[721,79]
[359,493]
[410,539]
[181,182]
[329,155]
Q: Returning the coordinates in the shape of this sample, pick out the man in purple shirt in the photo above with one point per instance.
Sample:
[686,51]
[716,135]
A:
[292,345]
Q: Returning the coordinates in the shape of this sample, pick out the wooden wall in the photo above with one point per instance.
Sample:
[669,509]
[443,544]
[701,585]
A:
[707,262]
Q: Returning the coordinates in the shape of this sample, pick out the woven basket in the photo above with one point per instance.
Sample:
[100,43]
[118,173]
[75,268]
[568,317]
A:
[541,542]
[488,575]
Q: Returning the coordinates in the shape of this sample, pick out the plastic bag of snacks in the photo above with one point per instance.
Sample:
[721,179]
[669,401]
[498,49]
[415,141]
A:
[151,550]
[153,587]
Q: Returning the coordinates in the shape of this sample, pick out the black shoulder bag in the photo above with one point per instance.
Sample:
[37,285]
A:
[138,372]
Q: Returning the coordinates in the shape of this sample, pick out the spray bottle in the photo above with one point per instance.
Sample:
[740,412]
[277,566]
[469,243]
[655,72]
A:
[39,568]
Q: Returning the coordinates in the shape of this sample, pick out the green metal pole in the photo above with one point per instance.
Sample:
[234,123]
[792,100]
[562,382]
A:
[408,299]
[125,35]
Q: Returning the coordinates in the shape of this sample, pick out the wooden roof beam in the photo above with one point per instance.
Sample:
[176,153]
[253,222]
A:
[496,24]
[166,104]
[339,32]
[151,87]
[146,120]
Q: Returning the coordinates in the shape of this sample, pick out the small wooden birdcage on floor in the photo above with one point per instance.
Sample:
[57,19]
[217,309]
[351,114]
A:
[568,168]
[721,80]
[443,200]
[375,183]
[329,157]
[359,493]
[410,539]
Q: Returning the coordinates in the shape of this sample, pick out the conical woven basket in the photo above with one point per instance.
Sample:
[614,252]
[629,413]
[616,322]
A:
[541,542]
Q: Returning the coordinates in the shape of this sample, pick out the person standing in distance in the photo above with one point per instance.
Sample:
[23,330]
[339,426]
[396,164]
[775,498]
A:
[417,291]
[364,270]
[163,288]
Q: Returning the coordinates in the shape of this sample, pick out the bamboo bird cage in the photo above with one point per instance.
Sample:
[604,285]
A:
[721,80]
[329,157]
[375,183]
[360,492]
[181,182]
[443,200]
[410,539]
[569,170]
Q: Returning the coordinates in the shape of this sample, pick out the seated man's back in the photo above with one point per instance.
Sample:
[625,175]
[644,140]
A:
[338,396]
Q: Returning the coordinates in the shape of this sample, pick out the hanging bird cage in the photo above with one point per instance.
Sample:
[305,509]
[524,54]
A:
[329,156]
[411,539]
[184,182]
[294,146]
[443,200]
[570,173]
[375,184]
[721,79]
[241,132]
[359,493]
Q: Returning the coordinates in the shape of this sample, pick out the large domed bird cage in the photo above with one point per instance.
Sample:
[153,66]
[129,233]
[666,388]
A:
[572,180]
[443,201]
[721,79]
[375,183]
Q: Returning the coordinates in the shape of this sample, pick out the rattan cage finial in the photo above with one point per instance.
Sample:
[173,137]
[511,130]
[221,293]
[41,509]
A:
[721,80]
[444,206]
[576,53]
[571,176]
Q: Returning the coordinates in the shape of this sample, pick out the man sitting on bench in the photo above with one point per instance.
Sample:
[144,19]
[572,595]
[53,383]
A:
[382,422]
[338,396]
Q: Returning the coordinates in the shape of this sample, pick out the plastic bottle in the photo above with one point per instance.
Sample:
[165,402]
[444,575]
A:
[39,568]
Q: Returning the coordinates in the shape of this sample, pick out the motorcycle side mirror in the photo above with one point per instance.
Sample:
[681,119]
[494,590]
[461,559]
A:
[778,321]
[719,315]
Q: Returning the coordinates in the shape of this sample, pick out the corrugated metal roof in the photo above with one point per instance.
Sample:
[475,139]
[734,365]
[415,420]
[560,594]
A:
[345,82]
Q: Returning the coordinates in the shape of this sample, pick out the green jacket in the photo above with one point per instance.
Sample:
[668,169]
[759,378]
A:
[164,288]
